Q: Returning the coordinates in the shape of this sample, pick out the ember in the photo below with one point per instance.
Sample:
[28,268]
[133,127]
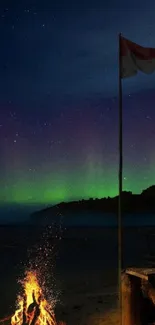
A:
[32,307]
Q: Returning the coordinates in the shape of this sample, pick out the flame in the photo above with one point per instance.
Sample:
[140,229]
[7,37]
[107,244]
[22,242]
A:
[32,307]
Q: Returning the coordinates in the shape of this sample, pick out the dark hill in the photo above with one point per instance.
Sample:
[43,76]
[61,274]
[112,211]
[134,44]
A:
[131,203]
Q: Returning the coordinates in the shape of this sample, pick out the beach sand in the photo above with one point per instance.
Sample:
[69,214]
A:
[85,272]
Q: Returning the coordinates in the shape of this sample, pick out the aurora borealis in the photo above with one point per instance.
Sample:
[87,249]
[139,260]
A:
[59,105]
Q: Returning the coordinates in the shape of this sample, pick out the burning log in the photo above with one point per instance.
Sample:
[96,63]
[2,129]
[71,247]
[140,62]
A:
[30,316]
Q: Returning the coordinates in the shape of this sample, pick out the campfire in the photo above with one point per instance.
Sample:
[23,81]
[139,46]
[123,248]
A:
[32,307]
[35,302]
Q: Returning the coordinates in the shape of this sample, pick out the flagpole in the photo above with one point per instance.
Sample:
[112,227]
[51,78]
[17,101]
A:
[120,178]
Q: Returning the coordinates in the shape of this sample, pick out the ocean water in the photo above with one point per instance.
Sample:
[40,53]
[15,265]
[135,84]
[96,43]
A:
[21,214]
[108,220]
[17,213]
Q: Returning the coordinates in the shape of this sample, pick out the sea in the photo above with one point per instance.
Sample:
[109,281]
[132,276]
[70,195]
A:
[20,214]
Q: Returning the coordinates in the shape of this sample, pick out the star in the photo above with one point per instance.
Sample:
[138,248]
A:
[50,142]
[13,114]
[33,170]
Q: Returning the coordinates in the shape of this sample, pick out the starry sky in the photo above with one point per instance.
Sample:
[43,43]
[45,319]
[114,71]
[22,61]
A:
[59,100]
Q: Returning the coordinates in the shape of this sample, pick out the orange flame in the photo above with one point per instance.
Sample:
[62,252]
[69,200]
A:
[33,308]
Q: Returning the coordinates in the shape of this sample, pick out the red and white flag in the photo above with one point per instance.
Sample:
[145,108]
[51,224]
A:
[135,57]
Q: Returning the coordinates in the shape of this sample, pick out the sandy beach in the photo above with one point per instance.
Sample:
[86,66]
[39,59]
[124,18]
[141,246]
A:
[85,271]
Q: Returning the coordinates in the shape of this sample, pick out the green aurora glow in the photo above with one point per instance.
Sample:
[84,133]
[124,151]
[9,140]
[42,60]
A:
[66,187]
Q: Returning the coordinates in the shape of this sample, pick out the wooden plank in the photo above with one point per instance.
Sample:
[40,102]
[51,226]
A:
[142,273]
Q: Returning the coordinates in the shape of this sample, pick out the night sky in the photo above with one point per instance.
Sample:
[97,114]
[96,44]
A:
[59,100]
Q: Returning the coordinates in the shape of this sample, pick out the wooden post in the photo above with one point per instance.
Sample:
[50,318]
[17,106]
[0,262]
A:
[131,300]
[120,180]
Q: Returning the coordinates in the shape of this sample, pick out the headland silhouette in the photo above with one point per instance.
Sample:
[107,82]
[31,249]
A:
[131,203]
